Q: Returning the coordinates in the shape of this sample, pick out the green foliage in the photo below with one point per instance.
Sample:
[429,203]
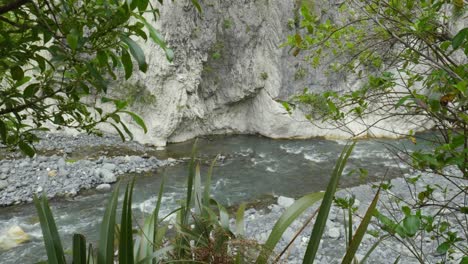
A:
[423,80]
[412,67]
[320,222]
[53,55]
[264,76]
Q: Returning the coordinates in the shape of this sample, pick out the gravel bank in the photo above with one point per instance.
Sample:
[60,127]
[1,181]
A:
[332,248]
[60,175]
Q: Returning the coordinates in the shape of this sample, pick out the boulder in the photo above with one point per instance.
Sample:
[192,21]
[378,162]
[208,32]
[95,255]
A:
[12,237]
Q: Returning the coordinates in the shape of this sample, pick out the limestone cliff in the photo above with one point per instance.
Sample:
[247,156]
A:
[228,74]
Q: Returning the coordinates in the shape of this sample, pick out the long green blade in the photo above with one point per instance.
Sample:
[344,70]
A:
[291,214]
[354,245]
[319,226]
[207,189]
[79,249]
[52,241]
[107,231]
[126,234]
[240,226]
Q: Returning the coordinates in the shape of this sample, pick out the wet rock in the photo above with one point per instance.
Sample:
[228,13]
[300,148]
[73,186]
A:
[103,187]
[12,237]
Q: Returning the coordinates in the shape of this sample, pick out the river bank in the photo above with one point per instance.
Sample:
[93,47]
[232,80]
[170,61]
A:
[65,165]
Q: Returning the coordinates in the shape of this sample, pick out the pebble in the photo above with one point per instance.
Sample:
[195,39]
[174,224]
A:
[3,184]
[103,187]
[285,202]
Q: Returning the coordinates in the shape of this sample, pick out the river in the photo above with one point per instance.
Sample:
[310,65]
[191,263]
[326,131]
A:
[250,168]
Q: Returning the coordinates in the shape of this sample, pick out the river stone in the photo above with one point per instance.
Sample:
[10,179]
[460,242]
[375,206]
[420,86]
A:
[334,233]
[109,166]
[12,237]
[103,187]
[285,201]
[52,173]
[3,176]
[106,175]
[3,184]
[61,164]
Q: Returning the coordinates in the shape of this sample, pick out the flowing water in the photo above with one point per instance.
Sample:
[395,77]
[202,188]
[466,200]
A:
[250,167]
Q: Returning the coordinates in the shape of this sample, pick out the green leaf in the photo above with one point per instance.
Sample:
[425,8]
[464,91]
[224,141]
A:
[459,38]
[122,136]
[136,52]
[324,210]
[443,248]
[360,232]
[3,132]
[285,220]
[107,231]
[142,5]
[137,120]
[154,35]
[79,249]
[127,63]
[72,39]
[240,229]
[16,73]
[197,5]
[411,224]
[26,148]
[52,241]
[402,101]
[102,58]
[31,90]
[126,230]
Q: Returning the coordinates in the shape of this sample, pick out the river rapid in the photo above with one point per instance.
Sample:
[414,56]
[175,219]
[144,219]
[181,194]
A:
[249,169]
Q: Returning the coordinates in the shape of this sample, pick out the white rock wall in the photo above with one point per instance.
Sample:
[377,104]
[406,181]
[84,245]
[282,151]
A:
[228,71]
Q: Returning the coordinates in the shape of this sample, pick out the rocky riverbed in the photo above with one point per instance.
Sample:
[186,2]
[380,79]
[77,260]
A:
[61,170]
[67,165]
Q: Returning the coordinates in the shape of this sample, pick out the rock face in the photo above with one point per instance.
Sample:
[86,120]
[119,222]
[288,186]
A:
[228,73]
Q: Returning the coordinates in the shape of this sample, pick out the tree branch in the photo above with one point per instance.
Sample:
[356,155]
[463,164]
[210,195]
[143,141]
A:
[12,6]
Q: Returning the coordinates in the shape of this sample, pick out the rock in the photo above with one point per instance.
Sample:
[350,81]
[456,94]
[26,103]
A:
[3,176]
[103,187]
[106,175]
[3,184]
[334,233]
[13,237]
[39,189]
[285,201]
[61,163]
[52,173]
[109,166]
